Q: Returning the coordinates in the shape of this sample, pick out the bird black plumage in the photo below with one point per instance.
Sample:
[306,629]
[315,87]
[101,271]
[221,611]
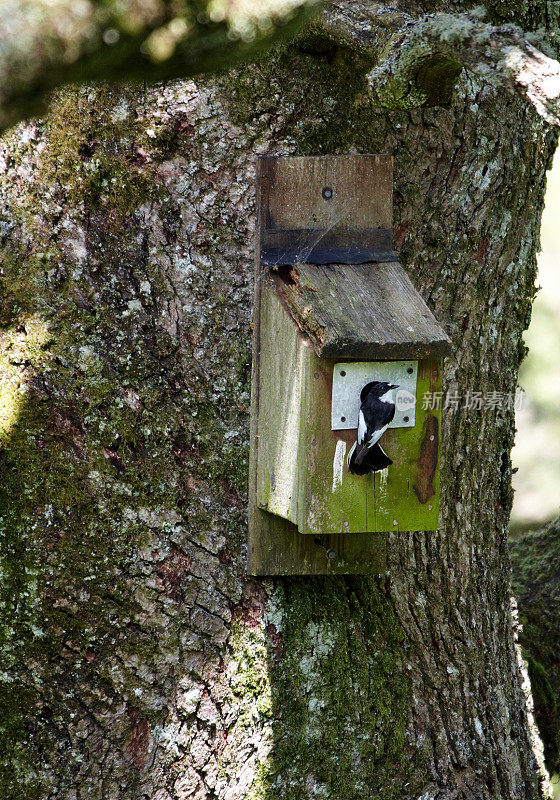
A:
[376,413]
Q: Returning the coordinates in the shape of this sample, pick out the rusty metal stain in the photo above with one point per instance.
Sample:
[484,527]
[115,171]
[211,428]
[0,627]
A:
[427,463]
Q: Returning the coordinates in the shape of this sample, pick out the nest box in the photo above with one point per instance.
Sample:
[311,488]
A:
[335,310]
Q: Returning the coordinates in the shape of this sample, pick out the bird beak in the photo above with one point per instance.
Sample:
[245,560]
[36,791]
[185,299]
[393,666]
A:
[394,386]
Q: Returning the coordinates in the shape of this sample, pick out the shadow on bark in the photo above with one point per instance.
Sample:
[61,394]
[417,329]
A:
[536,586]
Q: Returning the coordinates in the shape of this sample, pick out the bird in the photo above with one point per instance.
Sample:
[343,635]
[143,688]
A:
[376,413]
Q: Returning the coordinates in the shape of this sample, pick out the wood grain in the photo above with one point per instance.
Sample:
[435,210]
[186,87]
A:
[292,192]
[363,311]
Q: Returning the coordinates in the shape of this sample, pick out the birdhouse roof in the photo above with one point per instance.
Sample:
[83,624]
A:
[368,311]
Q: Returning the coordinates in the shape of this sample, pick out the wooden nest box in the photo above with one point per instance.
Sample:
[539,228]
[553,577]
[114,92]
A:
[334,310]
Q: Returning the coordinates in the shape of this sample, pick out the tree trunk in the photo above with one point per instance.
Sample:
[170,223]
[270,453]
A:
[535,581]
[140,662]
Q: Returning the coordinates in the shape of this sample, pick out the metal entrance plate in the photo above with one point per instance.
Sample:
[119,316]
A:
[349,378]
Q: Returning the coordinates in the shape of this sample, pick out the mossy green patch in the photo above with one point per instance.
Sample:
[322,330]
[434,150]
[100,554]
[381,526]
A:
[339,695]
[329,105]
[87,421]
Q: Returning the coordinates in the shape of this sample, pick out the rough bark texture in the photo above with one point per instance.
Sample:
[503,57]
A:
[535,581]
[139,661]
[417,55]
[418,59]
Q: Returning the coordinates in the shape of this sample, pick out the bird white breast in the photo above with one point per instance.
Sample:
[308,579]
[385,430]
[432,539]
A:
[386,398]
[350,453]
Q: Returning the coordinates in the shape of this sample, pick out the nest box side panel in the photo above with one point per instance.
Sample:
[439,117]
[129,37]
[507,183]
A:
[282,362]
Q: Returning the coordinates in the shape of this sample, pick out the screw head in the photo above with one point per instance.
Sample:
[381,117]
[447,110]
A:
[410,370]
[343,372]
[406,419]
[327,192]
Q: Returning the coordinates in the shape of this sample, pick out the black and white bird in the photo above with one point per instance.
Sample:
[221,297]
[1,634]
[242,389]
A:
[376,413]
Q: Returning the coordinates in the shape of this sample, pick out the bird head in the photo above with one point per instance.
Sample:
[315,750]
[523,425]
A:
[377,389]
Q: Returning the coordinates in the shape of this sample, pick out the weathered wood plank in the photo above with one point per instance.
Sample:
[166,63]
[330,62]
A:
[295,192]
[363,311]
[283,361]
[276,547]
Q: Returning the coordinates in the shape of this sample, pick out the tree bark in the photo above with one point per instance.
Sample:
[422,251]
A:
[535,583]
[139,659]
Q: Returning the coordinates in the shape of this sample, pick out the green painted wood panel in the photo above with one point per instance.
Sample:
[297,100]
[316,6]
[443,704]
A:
[402,498]
[406,496]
